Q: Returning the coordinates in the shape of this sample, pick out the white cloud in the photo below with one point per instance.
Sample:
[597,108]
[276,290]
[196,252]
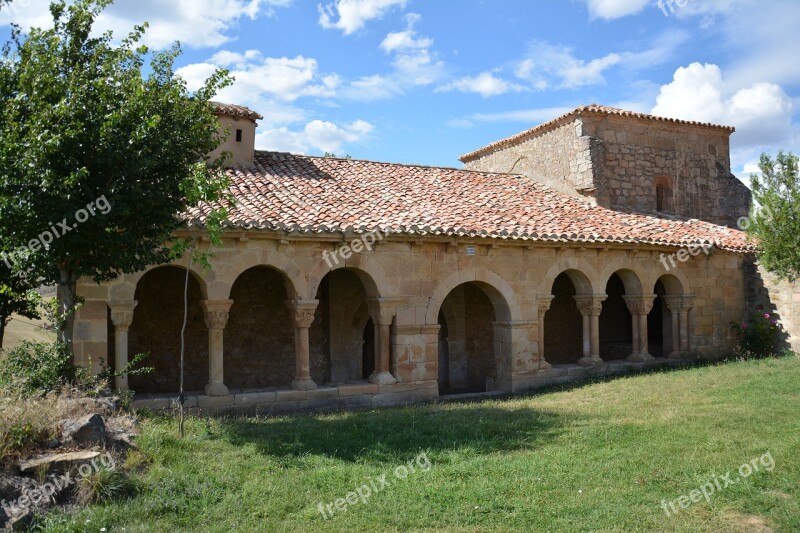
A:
[196,23]
[354,14]
[486,84]
[761,112]
[406,40]
[547,63]
[317,135]
[614,9]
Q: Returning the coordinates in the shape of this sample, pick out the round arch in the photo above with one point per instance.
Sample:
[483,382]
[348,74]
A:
[498,290]
[292,284]
[676,283]
[631,280]
[367,269]
[580,272]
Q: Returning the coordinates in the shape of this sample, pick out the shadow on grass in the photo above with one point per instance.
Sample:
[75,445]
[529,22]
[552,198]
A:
[385,435]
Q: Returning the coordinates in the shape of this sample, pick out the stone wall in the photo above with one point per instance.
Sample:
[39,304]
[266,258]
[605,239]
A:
[615,161]
[560,158]
[695,159]
[767,293]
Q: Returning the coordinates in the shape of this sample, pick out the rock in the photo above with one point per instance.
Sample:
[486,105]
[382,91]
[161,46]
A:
[85,406]
[89,430]
[60,460]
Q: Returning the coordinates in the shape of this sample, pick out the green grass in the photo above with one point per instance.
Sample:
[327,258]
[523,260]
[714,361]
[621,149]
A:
[598,457]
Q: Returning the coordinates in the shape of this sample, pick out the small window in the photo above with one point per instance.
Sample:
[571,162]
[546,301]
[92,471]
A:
[663,194]
[238,136]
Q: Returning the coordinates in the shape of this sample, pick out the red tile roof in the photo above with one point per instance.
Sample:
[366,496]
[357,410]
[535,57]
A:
[584,110]
[235,110]
[295,193]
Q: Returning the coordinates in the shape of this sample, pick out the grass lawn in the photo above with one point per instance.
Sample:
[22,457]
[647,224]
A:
[598,457]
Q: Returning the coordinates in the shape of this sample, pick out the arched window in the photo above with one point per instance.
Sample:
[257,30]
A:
[663,193]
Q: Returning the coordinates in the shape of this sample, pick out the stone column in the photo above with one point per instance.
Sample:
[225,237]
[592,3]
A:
[673,304]
[122,317]
[686,304]
[382,313]
[590,308]
[542,305]
[216,315]
[302,313]
[640,306]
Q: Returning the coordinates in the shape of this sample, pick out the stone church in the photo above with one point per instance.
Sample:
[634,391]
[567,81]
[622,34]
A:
[603,241]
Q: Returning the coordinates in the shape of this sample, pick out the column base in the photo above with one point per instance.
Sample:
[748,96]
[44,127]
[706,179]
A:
[640,357]
[382,378]
[589,360]
[544,365]
[217,389]
[304,384]
[121,383]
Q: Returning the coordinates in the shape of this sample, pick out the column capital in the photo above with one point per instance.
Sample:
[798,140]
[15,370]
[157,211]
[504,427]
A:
[216,313]
[681,303]
[639,304]
[543,304]
[122,313]
[590,305]
[302,312]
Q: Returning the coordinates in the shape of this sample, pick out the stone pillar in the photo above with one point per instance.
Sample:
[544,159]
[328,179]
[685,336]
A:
[543,304]
[673,304]
[686,304]
[122,317]
[382,312]
[302,313]
[216,315]
[640,306]
[590,308]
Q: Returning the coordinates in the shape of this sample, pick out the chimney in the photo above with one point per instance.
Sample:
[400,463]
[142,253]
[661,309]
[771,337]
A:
[241,141]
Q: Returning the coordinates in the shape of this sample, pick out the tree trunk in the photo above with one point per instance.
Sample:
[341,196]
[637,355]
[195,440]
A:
[2,331]
[66,308]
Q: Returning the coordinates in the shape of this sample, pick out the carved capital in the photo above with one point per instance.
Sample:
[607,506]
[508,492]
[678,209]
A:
[639,304]
[590,305]
[680,304]
[543,304]
[302,312]
[122,313]
[216,313]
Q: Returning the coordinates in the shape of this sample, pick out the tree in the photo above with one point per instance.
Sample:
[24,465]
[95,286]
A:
[775,222]
[97,160]
[17,296]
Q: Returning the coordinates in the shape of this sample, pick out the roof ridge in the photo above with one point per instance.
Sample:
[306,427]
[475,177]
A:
[590,108]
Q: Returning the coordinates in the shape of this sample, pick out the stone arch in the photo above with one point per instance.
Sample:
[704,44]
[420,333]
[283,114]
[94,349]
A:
[294,280]
[123,288]
[631,280]
[675,283]
[156,327]
[498,290]
[369,271]
[582,274]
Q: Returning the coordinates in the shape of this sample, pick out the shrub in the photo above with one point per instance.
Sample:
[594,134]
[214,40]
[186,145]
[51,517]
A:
[760,337]
[37,368]
[26,424]
[103,486]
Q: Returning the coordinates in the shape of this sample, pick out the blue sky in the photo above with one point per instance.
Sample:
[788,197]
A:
[424,81]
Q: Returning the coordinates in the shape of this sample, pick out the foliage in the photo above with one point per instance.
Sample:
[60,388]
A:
[17,297]
[37,367]
[760,337]
[81,121]
[25,423]
[777,193]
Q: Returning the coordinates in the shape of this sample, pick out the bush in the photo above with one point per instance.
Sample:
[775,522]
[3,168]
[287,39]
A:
[760,337]
[26,424]
[37,368]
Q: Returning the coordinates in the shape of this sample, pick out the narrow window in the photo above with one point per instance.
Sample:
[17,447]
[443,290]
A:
[663,194]
[238,136]
[659,197]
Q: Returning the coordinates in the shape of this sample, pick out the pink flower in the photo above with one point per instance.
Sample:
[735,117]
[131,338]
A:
[744,326]
[766,315]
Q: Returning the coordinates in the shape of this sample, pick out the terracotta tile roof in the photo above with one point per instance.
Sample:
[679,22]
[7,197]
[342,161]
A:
[295,193]
[236,111]
[589,109]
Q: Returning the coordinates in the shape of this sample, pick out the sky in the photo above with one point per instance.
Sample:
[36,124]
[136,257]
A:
[425,81]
